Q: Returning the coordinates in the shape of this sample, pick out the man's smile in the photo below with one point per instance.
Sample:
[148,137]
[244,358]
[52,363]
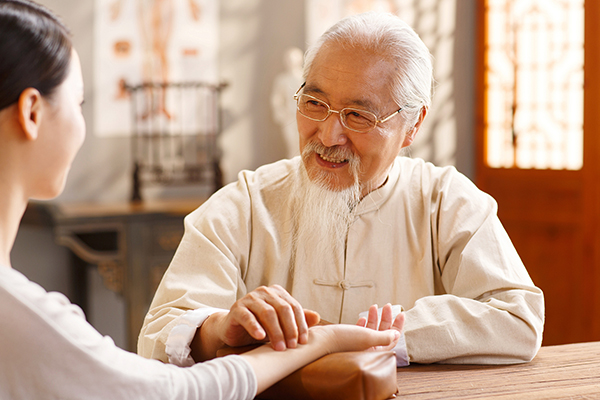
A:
[330,162]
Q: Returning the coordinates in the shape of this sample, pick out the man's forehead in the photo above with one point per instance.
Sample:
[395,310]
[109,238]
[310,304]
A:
[351,77]
[313,88]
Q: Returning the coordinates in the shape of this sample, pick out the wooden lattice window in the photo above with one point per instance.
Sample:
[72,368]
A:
[534,57]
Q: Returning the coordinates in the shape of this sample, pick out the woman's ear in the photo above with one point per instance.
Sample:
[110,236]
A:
[30,109]
[411,134]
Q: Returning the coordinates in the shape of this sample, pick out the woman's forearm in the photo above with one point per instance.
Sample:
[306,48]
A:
[270,366]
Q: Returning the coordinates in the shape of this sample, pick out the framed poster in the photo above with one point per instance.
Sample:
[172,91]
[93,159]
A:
[140,41]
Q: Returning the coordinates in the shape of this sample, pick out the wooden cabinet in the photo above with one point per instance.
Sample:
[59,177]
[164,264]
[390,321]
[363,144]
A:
[131,244]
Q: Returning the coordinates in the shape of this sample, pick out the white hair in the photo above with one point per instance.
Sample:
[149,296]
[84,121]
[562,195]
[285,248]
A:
[386,35]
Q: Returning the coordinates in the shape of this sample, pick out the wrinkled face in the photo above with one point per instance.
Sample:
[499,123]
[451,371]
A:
[357,79]
[62,132]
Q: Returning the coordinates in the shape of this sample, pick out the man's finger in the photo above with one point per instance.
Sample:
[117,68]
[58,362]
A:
[294,324]
[267,317]
[242,317]
[287,322]
[312,317]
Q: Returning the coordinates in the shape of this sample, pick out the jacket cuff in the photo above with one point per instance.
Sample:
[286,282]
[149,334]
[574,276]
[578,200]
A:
[178,342]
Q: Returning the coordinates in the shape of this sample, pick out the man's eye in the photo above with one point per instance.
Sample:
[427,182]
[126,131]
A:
[314,104]
[358,116]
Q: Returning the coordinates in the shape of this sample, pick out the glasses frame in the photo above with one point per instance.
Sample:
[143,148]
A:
[341,112]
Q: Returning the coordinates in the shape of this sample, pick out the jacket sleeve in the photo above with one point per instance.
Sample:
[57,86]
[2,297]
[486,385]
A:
[487,311]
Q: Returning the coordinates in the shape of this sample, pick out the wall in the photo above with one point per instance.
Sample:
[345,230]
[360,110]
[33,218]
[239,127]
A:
[254,34]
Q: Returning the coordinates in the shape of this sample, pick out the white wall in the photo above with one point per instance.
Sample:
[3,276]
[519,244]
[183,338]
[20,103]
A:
[254,34]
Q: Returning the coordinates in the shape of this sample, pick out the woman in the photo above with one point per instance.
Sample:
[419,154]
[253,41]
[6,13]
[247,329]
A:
[47,348]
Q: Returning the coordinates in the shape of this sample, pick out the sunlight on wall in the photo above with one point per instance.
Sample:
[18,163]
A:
[240,61]
[435,22]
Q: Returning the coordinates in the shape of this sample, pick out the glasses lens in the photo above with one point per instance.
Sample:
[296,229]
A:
[358,120]
[312,108]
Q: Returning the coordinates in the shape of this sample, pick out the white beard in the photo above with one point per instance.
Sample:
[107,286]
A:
[322,216]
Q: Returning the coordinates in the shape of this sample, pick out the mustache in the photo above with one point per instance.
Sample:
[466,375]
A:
[335,152]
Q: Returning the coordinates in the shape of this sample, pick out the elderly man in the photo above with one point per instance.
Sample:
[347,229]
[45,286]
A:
[350,224]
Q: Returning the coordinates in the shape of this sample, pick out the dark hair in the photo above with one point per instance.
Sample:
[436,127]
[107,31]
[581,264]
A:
[35,50]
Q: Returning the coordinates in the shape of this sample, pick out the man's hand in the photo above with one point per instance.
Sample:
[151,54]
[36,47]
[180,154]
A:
[387,320]
[267,313]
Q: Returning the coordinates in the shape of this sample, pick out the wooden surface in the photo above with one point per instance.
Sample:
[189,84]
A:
[569,371]
[149,207]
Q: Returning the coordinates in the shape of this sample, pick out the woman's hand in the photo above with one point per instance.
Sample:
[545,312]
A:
[337,338]
[387,320]
[270,366]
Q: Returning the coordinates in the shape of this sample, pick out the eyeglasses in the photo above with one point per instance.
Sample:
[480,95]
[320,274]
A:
[352,118]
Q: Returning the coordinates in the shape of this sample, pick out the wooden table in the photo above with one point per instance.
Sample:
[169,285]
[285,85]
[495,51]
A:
[569,371]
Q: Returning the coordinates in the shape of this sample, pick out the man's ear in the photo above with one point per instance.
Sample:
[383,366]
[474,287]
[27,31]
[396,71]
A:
[30,109]
[411,134]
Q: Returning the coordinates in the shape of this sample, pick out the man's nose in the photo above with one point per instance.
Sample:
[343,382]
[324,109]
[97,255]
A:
[332,132]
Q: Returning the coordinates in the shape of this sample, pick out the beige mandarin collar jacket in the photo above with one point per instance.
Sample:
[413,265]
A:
[427,240]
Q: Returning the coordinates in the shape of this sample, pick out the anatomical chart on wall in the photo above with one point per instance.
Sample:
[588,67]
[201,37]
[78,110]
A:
[142,41]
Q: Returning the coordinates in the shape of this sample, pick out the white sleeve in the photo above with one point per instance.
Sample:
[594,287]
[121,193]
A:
[178,342]
[50,351]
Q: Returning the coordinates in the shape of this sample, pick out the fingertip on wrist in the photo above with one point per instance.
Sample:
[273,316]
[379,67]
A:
[259,334]
[279,346]
[303,338]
